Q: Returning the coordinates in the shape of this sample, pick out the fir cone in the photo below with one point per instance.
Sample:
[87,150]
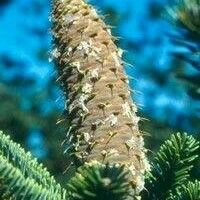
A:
[103,120]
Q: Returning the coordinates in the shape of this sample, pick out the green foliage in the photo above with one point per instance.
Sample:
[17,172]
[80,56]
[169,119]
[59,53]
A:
[171,166]
[191,191]
[21,177]
[19,172]
[15,186]
[19,123]
[99,182]
[186,16]
[26,163]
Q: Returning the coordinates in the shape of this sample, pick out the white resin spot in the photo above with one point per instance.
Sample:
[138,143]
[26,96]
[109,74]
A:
[82,100]
[134,108]
[104,152]
[94,54]
[79,103]
[87,88]
[130,112]
[112,119]
[139,183]
[109,31]
[132,169]
[55,53]
[116,59]
[145,163]
[135,120]
[77,65]
[69,50]
[127,110]
[86,136]
[98,122]
[94,13]
[94,73]
[140,142]
[69,18]
[84,46]
[113,152]
[131,143]
[120,52]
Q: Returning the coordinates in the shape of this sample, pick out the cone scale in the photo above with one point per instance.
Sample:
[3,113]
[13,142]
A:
[101,114]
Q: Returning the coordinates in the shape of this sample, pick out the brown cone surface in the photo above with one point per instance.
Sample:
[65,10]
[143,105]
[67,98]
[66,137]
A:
[102,115]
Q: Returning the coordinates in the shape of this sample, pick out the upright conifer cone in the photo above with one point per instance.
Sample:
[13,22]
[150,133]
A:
[103,121]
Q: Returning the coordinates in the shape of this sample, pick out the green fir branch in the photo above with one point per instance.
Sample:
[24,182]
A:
[186,13]
[171,166]
[28,166]
[15,186]
[191,191]
[99,182]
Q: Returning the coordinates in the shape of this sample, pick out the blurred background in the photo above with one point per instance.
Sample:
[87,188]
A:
[166,88]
